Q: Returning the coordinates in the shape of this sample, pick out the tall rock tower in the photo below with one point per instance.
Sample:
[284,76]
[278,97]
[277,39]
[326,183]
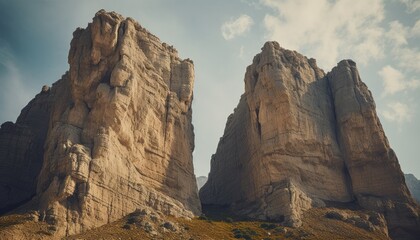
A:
[300,138]
[113,135]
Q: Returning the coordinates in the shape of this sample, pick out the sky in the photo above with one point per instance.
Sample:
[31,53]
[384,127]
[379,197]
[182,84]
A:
[221,37]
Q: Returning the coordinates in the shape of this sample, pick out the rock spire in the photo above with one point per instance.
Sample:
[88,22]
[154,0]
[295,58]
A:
[300,138]
[113,135]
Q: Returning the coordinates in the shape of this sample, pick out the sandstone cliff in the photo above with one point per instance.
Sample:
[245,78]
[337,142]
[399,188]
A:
[300,138]
[413,185]
[201,181]
[112,136]
[21,152]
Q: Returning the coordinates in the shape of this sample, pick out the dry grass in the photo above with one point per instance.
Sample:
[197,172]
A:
[324,228]
[21,226]
[219,224]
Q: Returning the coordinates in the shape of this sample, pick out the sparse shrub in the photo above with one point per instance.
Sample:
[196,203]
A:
[131,220]
[244,233]
[289,234]
[279,230]
[170,226]
[246,237]
[335,215]
[238,235]
[251,232]
[204,217]
[52,228]
[127,226]
[268,226]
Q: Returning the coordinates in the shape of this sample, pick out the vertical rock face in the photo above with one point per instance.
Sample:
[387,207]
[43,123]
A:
[21,152]
[413,185]
[300,138]
[201,181]
[117,131]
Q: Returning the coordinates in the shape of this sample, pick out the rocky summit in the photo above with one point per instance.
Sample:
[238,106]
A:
[300,138]
[113,135]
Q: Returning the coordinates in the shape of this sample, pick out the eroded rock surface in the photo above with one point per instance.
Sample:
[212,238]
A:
[201,181]
[116,132]
[300,138]
[21,152]
[413,185]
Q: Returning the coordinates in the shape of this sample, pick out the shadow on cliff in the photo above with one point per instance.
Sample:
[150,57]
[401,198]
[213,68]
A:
[179,178]
[220,213]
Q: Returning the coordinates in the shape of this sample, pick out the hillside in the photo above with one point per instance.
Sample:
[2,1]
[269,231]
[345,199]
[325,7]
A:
[316,226]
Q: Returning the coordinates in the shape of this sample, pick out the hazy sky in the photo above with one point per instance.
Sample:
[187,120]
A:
[222,37]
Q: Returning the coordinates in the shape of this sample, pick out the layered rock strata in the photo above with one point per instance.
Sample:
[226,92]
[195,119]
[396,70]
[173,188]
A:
[300,138]
[112,136]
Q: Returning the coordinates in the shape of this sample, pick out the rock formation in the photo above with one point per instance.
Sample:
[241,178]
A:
[113,135]
[413,185]
[300,138]
[21,152]
[201,181]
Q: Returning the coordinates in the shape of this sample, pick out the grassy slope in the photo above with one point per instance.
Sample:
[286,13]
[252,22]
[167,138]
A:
[315,226]
[18,226]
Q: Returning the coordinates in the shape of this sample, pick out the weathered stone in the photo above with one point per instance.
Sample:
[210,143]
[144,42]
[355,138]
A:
[170,226]
[413,185]
[300,138]
[21,152]
[370,222]
[116,132]
[376,177]
[337,215]
[201,181]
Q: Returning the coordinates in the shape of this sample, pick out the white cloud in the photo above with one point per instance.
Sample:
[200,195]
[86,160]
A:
[397,112]
[408,58]
[412,5]
[394,81]
[397,33]
[328,30]
[236,27]
[398,36]
[399,40]
[415,31]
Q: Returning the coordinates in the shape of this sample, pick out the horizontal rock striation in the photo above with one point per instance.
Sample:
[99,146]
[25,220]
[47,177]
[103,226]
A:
[300,138]
[116,132]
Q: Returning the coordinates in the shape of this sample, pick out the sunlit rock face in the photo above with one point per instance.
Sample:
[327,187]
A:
[300,138]
[113,135]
